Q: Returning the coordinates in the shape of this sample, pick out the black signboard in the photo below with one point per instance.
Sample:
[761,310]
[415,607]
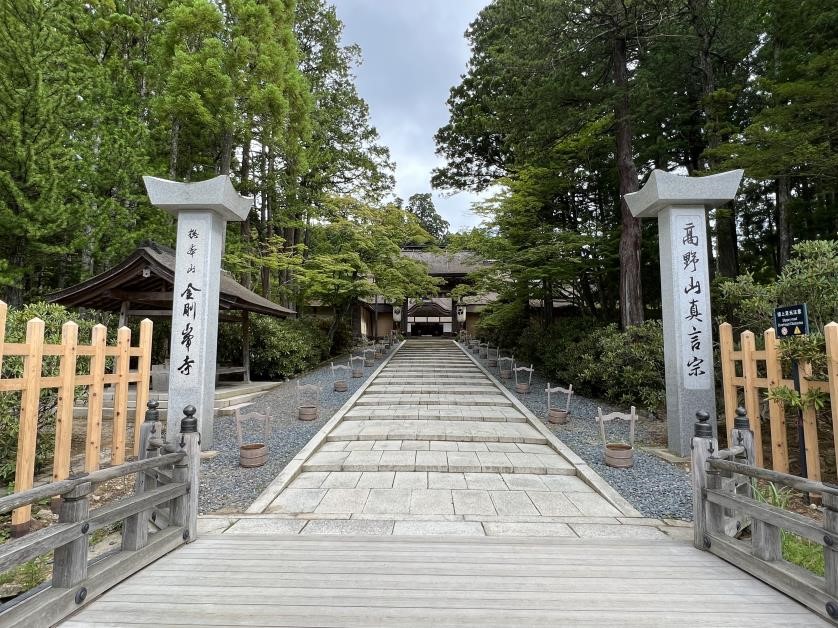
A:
[791,320]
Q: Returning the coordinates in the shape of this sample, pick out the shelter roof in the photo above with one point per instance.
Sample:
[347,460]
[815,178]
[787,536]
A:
[146,278]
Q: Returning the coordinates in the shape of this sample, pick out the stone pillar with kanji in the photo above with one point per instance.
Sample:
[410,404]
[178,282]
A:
[680,204]
[202,210]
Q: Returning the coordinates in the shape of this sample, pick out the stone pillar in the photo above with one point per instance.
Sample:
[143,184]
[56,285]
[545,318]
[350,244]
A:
[202,210]
[680,204]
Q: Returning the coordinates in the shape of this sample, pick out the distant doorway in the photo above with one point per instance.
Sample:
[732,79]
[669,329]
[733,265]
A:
[426,329]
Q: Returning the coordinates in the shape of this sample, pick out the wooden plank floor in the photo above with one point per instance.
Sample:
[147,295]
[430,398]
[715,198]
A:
[420,581]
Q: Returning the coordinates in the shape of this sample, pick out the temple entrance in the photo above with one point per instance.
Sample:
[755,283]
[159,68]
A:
[426,329]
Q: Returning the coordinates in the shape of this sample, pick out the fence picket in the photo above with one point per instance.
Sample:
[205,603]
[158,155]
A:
[120,400]
[728,373]
[93,445]
[66,399]
[831,333]
[776,410]
[749,372]
[143,376]
[28,428]
[810,426]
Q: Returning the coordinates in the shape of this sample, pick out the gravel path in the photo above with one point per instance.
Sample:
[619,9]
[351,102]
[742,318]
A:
[227,487]
[655,487]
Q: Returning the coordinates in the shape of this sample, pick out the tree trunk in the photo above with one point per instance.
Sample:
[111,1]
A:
[244,225]
[173,149]
[547,303]
[226,152]
[782,220]
[631,290]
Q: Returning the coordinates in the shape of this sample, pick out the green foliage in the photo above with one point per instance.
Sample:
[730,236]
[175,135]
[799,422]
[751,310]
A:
[28,575]
[810,277]
[627,367]
[282,348]
[54,316]
[623,367]
[796,549]
[790,398]
[422,206]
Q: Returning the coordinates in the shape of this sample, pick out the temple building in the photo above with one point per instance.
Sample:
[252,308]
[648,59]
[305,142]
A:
[439,315]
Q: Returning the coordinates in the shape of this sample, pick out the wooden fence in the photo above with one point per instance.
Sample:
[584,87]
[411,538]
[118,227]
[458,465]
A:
[33,351]
[725,502]
[161,515]
[754,372]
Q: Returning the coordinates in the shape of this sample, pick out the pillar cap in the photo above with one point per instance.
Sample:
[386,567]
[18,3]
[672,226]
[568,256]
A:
[667,189]
[216,194]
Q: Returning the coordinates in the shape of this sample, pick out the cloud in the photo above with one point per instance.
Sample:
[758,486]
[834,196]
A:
[414,52]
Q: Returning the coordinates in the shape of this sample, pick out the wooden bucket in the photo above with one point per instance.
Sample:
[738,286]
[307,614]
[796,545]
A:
[506,374]
[483,354]
[253,455]
[340,386]
[555,415]
[307,413]
[523,388]
[493,363]
[377,355]
[369,362]
[356,373]
[619,455]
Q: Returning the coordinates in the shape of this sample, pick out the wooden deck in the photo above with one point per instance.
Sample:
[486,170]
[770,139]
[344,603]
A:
[413,581]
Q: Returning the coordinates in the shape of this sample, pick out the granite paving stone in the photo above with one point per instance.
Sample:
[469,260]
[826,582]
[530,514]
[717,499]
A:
[472,502]
[431,502]
[342,479]
[343,500]
[513,503]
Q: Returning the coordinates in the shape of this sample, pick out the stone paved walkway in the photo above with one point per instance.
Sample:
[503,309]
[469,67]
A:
[433,445]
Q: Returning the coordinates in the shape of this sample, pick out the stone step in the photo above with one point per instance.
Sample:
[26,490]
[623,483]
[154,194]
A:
[461,431]
[385,388]
[439,461]
[434,413]
[432,399]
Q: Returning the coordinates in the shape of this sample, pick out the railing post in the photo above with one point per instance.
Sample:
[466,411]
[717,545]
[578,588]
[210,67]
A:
[830,551]
[703,447]
[135,528]
[743,436]
[190,442]
[70,559]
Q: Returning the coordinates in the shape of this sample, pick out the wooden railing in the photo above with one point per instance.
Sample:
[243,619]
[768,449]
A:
[68,378]
[165,491]
[754,372]
[724,505]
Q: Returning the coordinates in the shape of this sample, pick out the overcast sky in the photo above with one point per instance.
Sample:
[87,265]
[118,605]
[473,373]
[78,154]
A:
[414,52]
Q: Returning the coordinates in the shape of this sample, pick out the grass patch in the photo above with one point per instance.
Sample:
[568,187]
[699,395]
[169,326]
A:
[796,550]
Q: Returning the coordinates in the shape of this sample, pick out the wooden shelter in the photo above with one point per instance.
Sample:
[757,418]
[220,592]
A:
[143,285]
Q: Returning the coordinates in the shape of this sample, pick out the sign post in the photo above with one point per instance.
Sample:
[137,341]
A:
[680,205]
[202,210]
[791,321]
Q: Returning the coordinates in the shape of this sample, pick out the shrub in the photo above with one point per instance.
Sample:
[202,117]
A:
[502,323]
[281,348]
[627,367]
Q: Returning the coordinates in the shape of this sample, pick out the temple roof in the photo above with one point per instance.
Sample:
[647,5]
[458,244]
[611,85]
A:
[446,264]
[146,278]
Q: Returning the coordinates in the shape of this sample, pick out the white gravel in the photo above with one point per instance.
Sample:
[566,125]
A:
[227,487]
